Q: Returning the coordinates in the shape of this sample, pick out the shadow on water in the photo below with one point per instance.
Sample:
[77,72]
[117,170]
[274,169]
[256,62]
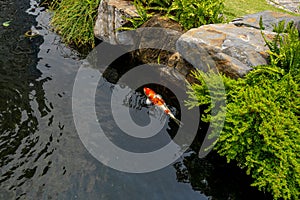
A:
[41,155]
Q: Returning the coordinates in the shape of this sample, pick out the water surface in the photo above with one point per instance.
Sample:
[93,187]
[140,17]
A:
[41,155]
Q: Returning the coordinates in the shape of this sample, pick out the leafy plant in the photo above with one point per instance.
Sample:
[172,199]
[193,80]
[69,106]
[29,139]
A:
[262,129]
[194,13]
[285,48]
[188,13]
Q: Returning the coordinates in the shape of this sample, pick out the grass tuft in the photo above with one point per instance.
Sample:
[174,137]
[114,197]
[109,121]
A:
[74,20]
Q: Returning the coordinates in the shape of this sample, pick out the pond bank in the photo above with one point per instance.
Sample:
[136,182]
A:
[233,48]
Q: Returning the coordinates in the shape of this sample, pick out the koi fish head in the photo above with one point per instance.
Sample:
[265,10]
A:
[158,101]
[148,92]
[154,98]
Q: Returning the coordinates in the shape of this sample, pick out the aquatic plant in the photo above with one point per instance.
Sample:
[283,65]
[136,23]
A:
[262,129]
[74,20]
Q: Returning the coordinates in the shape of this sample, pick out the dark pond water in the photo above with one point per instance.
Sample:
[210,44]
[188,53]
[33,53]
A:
[41,154]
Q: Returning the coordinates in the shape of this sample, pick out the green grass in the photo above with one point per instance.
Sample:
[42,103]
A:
[74,20]
[239,8]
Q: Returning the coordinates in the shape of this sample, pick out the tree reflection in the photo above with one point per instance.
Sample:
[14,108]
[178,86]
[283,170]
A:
[22,98]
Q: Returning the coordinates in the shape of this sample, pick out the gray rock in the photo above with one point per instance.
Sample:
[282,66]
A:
[112,15]
[230,49]
[288,5]
[160,34]
[269,18]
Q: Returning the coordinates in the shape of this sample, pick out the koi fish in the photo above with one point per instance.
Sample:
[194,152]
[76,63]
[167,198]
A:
[158,101]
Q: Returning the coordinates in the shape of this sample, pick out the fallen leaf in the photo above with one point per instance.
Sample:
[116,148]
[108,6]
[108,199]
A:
[6,24]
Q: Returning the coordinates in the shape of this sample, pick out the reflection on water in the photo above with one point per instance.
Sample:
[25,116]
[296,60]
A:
[216,179]
[22,97]
[41,155]
[29,132]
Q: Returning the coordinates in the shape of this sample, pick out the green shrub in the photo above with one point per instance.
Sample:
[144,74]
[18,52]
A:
[262,129]
[188,13]
[74,20]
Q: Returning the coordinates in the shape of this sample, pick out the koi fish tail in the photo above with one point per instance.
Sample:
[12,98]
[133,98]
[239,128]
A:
[180,124]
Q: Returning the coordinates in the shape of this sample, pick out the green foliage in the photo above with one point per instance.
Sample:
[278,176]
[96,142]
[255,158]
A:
[285,48]
[188,13]
[194,13]
[210,85]
[262,129]
[74,20]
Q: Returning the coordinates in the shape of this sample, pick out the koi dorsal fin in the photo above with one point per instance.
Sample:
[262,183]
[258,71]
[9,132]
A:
[158,96]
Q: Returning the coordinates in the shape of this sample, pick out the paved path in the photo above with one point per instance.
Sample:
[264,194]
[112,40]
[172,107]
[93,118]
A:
[289,5]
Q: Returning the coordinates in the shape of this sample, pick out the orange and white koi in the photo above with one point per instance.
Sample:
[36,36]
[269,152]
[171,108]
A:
[158,101]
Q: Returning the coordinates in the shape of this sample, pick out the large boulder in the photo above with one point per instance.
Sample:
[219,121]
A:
[161,34]
[231,49]
[156,41]
[112,15]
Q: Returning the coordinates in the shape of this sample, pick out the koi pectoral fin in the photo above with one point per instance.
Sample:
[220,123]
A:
[148,102]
